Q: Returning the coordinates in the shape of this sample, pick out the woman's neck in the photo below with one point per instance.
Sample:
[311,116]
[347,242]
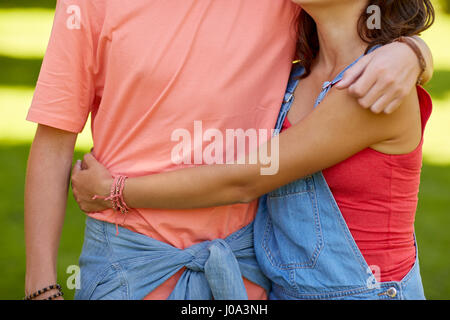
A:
[339,41]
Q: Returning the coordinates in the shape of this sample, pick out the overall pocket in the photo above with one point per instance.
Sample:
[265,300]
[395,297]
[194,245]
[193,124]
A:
[293,236]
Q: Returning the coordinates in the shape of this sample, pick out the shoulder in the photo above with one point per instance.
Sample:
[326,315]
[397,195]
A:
[86,11]
[82,20]
[391,133]
[405,126]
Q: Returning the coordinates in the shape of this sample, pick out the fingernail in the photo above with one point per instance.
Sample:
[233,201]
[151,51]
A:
[375,110]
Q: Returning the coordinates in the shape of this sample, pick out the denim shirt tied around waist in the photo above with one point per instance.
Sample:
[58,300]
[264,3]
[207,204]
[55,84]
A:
[139,264]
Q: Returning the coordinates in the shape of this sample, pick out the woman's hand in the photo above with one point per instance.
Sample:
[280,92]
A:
[91,178]
[382,79]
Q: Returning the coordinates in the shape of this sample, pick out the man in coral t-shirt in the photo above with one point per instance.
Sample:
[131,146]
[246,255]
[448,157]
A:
[142,69]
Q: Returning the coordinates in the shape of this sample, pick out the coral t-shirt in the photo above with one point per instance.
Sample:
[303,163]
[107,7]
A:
[145,68]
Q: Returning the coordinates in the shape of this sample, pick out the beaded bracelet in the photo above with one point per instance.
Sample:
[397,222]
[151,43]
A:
[56,295]
[41,291]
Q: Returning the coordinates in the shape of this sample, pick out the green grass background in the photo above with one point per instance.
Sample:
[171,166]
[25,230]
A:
[25,26]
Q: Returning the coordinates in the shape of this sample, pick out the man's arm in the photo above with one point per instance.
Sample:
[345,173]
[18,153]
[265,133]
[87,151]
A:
[46,186]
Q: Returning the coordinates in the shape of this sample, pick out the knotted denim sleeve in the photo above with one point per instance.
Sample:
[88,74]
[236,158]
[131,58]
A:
[214,269]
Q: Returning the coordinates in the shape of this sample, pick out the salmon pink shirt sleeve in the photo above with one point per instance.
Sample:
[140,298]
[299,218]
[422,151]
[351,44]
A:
[65,88]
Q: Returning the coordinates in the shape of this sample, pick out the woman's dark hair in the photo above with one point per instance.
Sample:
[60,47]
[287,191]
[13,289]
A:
[398,18]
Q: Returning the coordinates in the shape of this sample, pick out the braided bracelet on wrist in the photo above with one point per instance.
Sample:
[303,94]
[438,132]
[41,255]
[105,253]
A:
[415,48]
[116,195]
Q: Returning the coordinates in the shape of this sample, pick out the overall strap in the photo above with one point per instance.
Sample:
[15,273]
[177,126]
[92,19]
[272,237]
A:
[294,79]
[329,84]
[296,73]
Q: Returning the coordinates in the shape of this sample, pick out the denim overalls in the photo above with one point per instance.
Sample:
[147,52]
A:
[303,244]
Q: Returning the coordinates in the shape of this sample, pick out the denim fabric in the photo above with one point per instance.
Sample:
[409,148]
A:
[304,246]
[131,265]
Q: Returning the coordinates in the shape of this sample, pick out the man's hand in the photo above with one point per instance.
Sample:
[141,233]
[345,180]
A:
[383,78]
[90,178]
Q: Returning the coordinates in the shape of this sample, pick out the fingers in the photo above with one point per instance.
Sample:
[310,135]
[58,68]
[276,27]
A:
[393,106]
[377,88]
[84,165]
[75,174]
[354,73]
[382,99]
[381,103]
[88,161]
[75,171]
[364,84]
[89,208]
[374,95]
[86,205]
[76,167]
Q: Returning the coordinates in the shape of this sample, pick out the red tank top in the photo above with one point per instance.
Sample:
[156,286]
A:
[377,194]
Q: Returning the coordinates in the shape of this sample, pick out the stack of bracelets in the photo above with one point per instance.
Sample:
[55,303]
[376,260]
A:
[116,195]
[39,292]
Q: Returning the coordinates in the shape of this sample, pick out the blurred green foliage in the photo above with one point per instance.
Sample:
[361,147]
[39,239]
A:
[50,4]
[445,5]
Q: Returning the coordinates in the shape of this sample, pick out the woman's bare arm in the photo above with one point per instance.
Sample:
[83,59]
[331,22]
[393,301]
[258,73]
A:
[334,131]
